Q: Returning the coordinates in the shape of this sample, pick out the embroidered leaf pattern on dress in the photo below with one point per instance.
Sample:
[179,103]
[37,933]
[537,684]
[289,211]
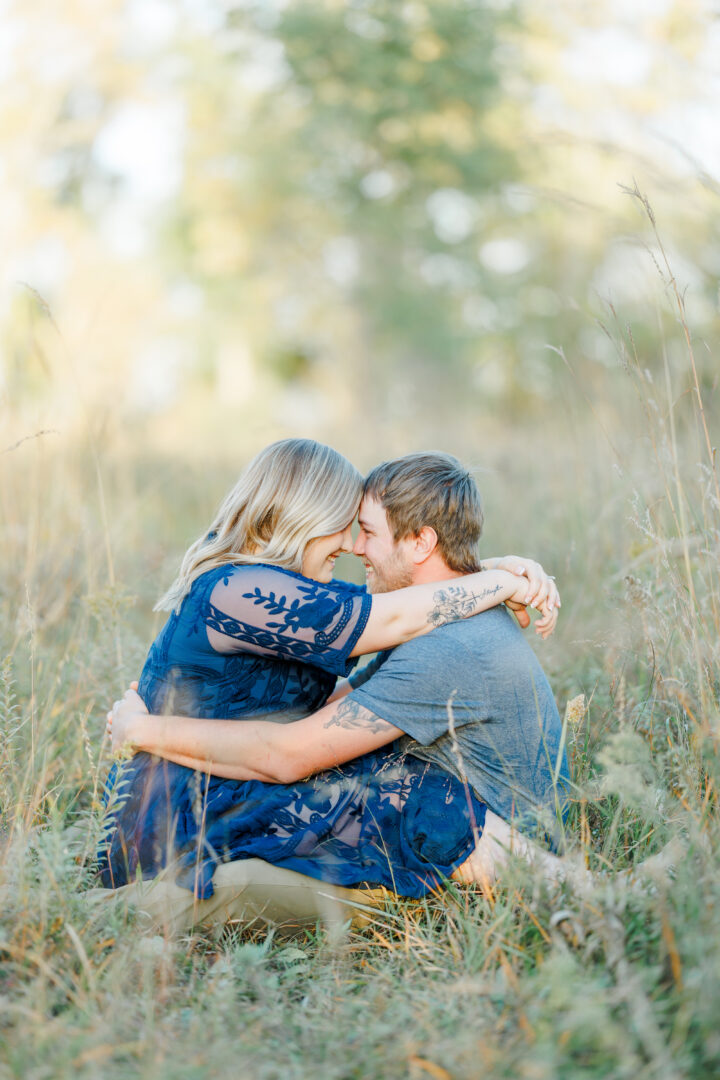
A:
[309,618]
[314,609]
[385,818]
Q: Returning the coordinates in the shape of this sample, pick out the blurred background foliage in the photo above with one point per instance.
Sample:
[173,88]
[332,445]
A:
[257,217]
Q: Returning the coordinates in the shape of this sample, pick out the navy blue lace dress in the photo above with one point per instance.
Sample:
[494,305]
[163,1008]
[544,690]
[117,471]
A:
[250,641]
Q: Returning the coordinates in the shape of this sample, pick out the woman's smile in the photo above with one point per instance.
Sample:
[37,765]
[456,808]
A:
[321,553]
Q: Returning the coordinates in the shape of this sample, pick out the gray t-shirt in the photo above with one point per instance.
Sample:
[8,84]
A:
[473,698]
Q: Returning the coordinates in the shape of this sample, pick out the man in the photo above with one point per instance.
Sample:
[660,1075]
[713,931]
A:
[470,696]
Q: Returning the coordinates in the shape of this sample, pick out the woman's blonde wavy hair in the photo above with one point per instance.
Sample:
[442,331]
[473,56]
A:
[292,492]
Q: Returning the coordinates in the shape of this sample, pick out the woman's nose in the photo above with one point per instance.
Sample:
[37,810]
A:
[347,540]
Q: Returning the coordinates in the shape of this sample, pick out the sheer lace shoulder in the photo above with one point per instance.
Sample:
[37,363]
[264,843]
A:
[275,612]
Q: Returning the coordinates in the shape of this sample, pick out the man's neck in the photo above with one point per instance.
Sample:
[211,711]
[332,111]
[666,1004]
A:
[433,569]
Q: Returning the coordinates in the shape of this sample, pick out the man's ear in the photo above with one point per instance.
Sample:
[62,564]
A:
[424,544]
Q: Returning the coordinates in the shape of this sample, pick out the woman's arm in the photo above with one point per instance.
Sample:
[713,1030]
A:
[403,614]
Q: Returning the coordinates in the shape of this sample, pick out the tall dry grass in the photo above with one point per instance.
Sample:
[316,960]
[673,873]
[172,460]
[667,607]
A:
[528,981]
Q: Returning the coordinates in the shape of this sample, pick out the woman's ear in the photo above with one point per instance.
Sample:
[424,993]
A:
[424,544]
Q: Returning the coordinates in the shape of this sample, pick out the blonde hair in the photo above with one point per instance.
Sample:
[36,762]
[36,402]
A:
[291,492]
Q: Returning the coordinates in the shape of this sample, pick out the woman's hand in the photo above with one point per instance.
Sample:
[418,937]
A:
[517,604]
[122,716]
[541,593]
[547,622]
[541,588]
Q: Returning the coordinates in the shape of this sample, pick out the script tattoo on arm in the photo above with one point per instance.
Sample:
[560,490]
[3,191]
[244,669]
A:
[456,602]
[350,714]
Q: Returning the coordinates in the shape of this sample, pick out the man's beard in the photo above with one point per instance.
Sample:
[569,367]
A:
[394,574]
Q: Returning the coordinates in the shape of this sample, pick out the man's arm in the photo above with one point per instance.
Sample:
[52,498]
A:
[413,611]
[254,749]
[343,688]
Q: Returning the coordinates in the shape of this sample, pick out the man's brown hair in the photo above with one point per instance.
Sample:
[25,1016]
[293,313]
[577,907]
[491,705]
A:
[431,489]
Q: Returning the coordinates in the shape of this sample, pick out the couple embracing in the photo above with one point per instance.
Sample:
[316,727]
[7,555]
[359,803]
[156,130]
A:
[259,784]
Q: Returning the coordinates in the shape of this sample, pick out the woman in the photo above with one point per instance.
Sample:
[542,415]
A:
[257,626]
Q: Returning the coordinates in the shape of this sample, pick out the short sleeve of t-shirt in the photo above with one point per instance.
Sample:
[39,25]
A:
[417,687]
[368,670]
[275,612]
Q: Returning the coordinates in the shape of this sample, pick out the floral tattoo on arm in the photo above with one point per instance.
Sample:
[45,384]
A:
[455,602]
[350,714]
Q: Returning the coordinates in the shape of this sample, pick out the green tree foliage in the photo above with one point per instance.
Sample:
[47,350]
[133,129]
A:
[358,175]
[410,201]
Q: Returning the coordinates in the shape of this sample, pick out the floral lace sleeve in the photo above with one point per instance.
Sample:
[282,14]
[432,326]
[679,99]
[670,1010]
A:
[275,612]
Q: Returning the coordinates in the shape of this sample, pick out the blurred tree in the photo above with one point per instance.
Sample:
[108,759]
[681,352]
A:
[418,190]
[341,155]
[285,204]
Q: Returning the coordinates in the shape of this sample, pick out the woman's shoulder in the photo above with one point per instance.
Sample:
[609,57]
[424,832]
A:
[271,610]
[249,574]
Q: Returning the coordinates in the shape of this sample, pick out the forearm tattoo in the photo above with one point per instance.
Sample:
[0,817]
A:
[350,714]
[455,602]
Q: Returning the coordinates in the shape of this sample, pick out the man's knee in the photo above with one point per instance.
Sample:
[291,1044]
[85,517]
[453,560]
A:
[255,892]
[490,854]
[247,891]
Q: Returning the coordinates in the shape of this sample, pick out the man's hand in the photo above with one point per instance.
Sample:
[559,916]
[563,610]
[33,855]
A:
[548,610]
[541,588]
[542,593]
[124,712]
[519,610]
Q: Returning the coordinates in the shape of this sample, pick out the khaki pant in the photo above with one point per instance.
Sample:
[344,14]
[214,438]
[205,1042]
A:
[251,892]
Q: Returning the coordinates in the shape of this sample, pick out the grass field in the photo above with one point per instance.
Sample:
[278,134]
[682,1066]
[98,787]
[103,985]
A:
[623,505]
